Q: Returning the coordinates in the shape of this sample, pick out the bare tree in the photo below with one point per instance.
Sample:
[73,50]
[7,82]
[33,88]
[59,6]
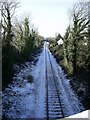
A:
[7,8]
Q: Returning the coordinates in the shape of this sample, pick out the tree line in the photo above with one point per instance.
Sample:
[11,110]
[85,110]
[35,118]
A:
[75,49]
[19,39]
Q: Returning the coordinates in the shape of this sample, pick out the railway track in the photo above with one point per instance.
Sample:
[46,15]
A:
[54,108]
[49,96]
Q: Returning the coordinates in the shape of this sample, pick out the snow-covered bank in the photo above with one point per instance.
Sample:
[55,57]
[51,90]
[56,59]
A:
[23,99]
[80,115]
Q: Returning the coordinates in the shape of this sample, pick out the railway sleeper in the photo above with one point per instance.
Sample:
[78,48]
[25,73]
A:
[56,111]
[54,108]
[53,99]
[55,116]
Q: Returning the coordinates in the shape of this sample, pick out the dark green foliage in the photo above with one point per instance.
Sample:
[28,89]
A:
[30,38]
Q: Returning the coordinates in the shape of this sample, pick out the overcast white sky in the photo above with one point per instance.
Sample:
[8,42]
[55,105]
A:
[49,16]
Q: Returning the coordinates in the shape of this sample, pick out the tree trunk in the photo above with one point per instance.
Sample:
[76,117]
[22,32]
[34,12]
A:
[75,56]
[65,58]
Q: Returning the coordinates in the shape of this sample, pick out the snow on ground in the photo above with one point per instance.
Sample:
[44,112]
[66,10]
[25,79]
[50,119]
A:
[19,98]
[39,78]
[24,99]
[84,114]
